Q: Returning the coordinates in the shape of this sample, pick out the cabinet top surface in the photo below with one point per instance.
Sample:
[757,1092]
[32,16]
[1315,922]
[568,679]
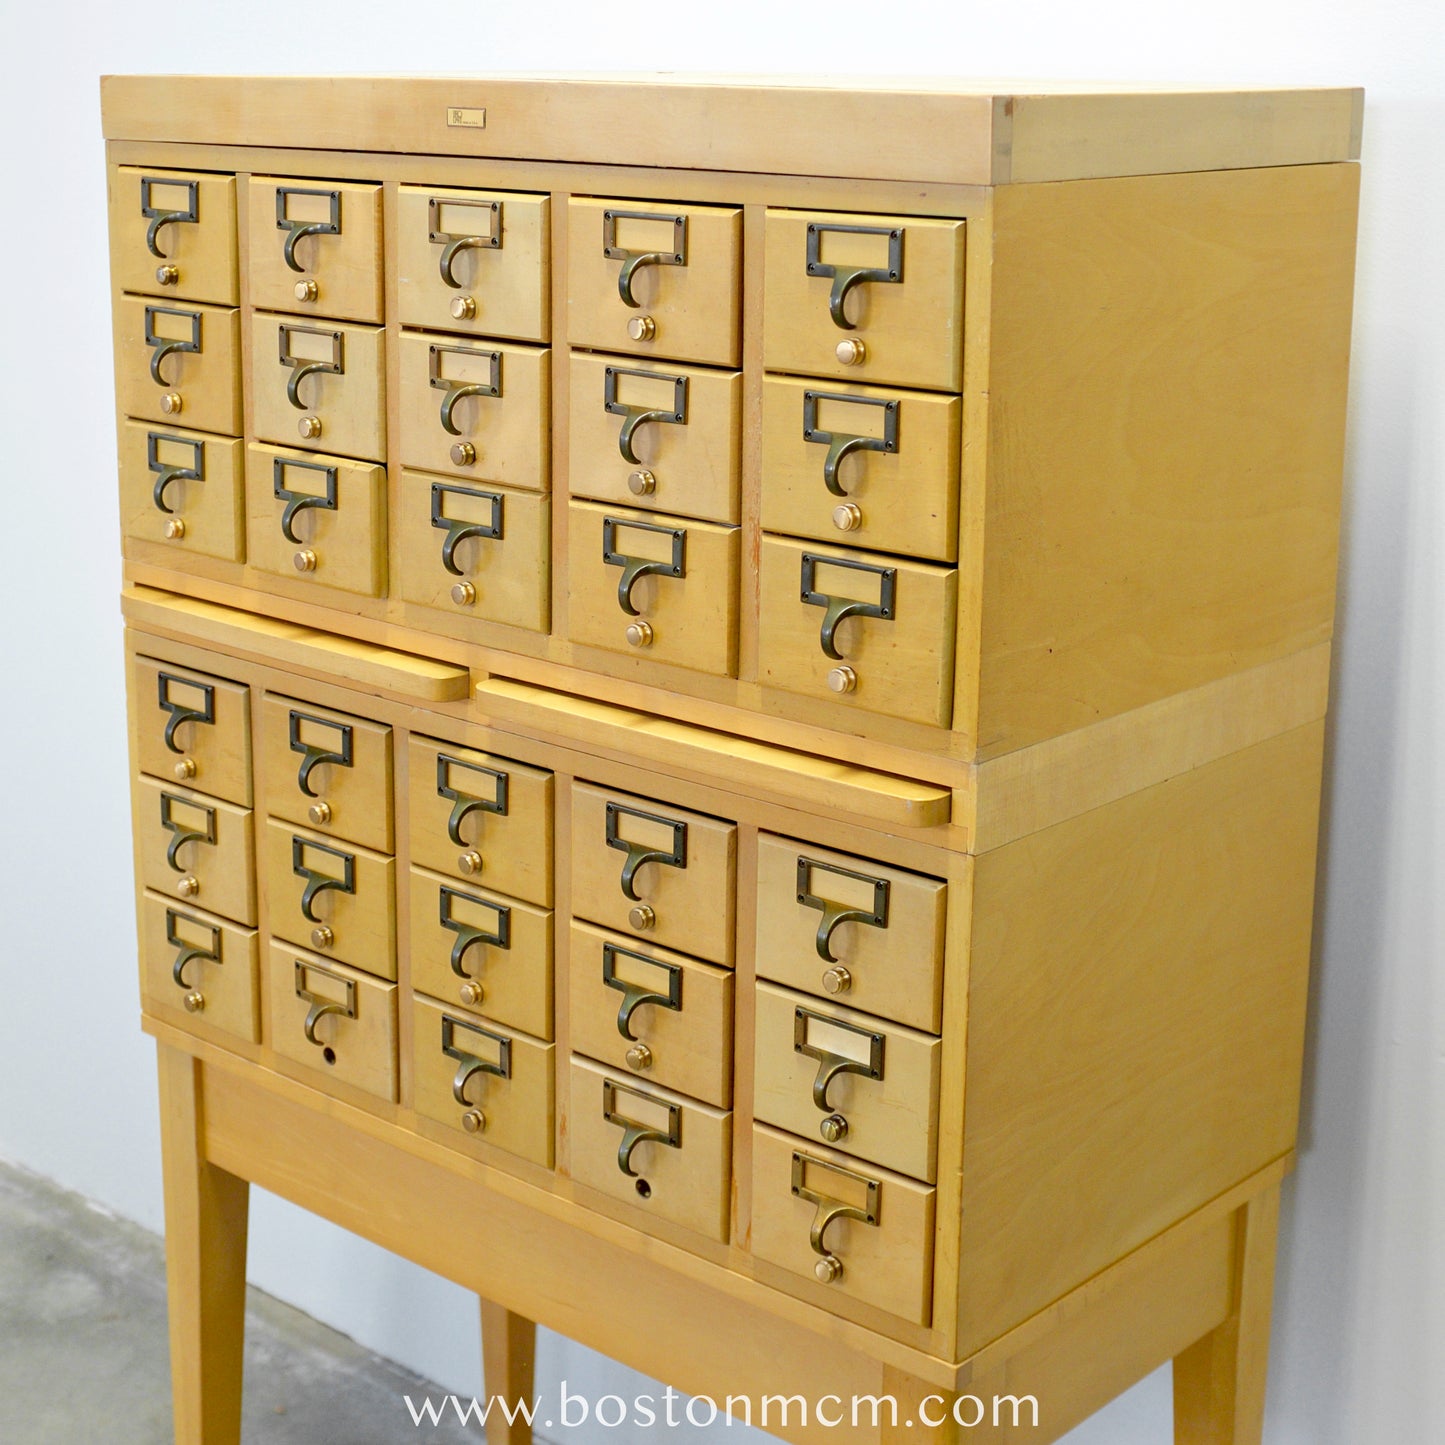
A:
[939,131]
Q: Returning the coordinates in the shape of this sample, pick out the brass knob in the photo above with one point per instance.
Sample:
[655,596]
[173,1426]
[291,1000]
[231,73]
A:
[842,679]
[829,1269]
[470,863]
[188,886]
[641,483]
[464,594]
[320,813]
[639,634]
[471,993]
[834,1129]
[851,352]
[185,770]
[848,517]
[639,1058]
[474,1121]
[171,403]
[463,454]
[642,328]
[167,275]
[305,291]
[304,560]
[175,529]
[309,427]
[322,937]
[194,1001]
[641,917]
[837,980]
[464,308]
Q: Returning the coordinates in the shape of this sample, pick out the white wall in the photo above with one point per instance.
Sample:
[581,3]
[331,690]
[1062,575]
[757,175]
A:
[1359,1331]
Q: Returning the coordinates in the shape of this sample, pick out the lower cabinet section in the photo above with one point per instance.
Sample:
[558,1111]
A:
[203,964]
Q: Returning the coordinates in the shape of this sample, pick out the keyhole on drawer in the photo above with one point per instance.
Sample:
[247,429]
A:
[644,1189]
[329,1054]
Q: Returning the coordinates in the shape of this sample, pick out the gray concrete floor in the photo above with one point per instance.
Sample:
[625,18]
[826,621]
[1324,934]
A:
[83,1351]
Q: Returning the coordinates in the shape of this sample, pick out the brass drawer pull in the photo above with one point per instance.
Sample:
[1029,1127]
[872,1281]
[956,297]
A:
[836,609]
[831,1065]
[163,346]
[316,881]
[320,1004]
[464,804]
[295,230]
[469,1064]
[314,754]
[843,444]
[298,502]
[459,532]
[301,368]
[835,913]
[456,390]
[467,933]
[634,568]
[829,1266]
[189,953]
[180,834]
[845,278]
[183,712]
[633,1132]
[452,245]
[158,217]
[168,472]
[640,853]
[633,261]
[634,995]
[636,416]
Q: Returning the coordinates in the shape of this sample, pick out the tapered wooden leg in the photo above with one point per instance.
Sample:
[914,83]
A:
[925,1413]
[205,1264]
[509,1349]
[1219,1381]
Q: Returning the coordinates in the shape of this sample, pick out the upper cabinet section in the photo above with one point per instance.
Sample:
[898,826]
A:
[173,233]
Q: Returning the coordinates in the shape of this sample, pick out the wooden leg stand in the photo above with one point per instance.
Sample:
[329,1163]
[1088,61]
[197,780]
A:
[509,1350]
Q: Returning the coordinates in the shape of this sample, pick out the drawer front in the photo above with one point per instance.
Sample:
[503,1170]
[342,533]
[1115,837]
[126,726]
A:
[192,728]
[320,518]
[474,261]
[849,928]
[654,436]
[871,632]
[649,870]
[182,488]
[179,361]
[476,410]
[334,1020]
[173,233]
[319,385]
[195,848]
[653,1013]
[867,1086]
[490,1084]
[657,587]
[472,549]
[664,1153]
[481,818]
[316,247]
[332,897]
[655,279]
[874,1229]
[866,298]
[871,467]
[482,952]
[327,770]
[201,963]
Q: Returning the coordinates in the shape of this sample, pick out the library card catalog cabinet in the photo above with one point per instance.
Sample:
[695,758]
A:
[726,696]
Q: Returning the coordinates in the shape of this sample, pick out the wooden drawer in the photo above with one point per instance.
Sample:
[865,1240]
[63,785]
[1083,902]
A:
[482,818]
[891,647]
[474,261]
[647,868]
[482,951]
[173,233]
[869,298]
[326,770]
[315,247]
[179,362]
[655,279]
[334,1020]
[490,1084]
[475,550]
[192,728]
[654,435]
[201,963]
[660,587]
[182,488]
[664,1153]
[476,410]
[652,1012]
[321,518]
[336,898]
[875,468]
[845,927]
[319,385]
[867,1086]
[874,1229]
[195,848]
